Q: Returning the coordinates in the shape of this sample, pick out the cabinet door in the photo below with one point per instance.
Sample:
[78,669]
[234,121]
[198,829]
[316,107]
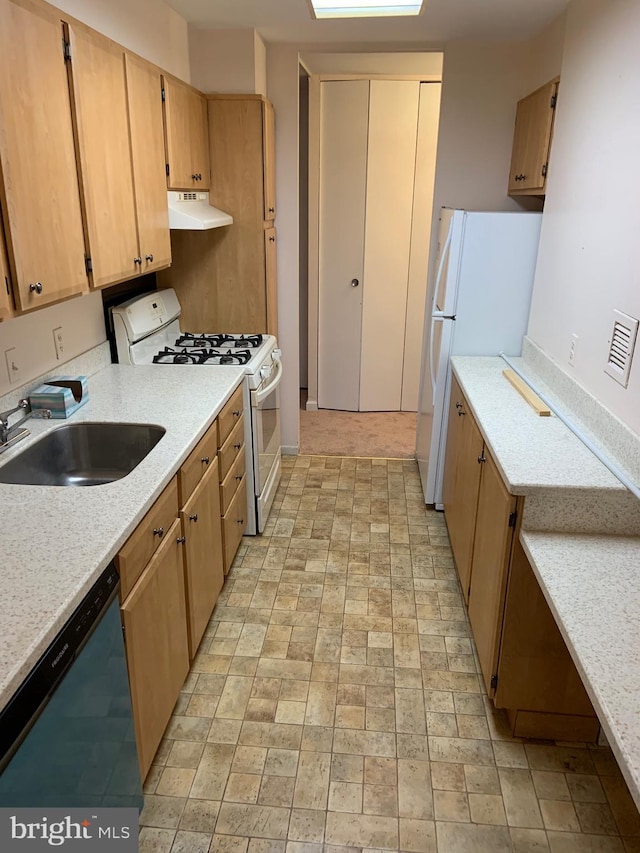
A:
[271,279]
[6,299]
[532,140]
[155,631]
[40,195]
[144,87]
[199,138]
[204,573]
[187,146]
[234,524]
[269,161]
[491,553]
[465,503]
[100,96]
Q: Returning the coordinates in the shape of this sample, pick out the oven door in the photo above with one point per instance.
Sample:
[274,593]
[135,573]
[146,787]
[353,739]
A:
[265,421]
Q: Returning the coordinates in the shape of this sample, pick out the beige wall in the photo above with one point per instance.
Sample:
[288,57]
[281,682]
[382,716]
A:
[545,55]
[227,60]
[588,259]
[416,63]
[150,28]
[155,31]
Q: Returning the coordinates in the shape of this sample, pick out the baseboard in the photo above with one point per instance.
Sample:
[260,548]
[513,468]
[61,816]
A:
[290,450]
[312,406]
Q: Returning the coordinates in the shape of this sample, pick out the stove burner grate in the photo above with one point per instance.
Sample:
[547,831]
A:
[201,356]
[206,340]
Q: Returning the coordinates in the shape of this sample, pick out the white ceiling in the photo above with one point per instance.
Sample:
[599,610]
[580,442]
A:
[442,20]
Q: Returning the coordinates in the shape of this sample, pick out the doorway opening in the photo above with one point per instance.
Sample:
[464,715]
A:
[368,137]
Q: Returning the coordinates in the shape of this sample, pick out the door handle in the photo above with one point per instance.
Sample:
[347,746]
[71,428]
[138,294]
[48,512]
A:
[354,282]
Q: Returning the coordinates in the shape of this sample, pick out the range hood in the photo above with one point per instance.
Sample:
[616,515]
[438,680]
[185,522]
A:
[191,211]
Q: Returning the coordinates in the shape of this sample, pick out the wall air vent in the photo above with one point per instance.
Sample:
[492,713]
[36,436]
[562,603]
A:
[621,346]
[189,197]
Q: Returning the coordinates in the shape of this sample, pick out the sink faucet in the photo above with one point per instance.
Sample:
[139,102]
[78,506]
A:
[9,435]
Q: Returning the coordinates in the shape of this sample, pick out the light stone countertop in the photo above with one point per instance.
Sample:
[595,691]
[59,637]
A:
[531,452]
[591,584]
[55,540]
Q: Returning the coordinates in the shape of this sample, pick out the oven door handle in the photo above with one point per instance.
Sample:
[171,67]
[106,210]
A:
[262,393]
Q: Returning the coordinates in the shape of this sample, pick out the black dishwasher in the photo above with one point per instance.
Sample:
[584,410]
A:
[66,736]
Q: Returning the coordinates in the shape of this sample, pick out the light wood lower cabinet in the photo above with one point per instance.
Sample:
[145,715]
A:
[234,523]
[204,572]
[155,631]
[524,661]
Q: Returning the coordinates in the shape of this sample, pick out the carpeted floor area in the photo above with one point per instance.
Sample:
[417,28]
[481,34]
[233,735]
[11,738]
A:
[389,435]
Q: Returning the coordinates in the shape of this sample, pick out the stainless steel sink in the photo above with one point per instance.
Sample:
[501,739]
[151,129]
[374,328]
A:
[84,454]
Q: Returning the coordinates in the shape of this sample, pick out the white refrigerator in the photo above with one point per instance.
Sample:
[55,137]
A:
[479,305]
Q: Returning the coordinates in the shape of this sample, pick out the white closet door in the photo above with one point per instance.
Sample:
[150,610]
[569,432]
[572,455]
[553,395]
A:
[344,107]
[393,119]
[428,120]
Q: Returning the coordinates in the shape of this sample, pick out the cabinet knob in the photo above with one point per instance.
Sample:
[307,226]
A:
[272,210]
[36,288]
[137,260]
[461,413]
[158,531]
[149,258]
[240,521]
[194,177]
[272,239]
[482,457]
[458,405]
[237,446]
[236,413]
[205,460]
[193,517]
[239,477]
[181,540]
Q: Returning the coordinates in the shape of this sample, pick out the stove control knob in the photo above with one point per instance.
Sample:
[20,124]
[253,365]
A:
[265,371]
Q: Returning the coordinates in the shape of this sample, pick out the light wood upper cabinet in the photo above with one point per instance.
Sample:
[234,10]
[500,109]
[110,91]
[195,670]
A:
[204,573]
[269,158]
[144,88]
[100,99]
[186,136]
[155,630]
[6,299]
[39,191]
[271,279]
[532,141]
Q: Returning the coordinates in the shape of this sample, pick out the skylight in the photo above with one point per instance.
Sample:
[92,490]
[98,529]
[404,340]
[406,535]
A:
[364,8]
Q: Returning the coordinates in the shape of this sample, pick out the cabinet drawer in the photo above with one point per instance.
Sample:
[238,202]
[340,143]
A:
[139,547]
[229,416]
[197,463]
[234,523]
[229,486]
[231,448]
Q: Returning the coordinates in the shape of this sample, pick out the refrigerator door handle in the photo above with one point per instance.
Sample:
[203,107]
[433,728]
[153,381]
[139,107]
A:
[443,257]
[434,318]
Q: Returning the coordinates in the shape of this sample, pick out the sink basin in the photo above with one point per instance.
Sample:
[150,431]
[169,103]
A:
[85,454]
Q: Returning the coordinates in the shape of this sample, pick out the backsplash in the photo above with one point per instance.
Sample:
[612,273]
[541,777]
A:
[602,427]
[85,364]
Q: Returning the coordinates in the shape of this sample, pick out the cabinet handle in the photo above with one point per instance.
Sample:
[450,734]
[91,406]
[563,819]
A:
[149,258]
[461,413]
[36,288]
[458,405]
[181,540]
[237,446]
[272,239]
[205,459]
[236,414]
[272,210]
[158,531]
[194,177]
[239,478]
[240,521]
[482,457]
[193,517]
[137,260]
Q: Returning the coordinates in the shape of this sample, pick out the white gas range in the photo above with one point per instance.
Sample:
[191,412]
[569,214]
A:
[147,331]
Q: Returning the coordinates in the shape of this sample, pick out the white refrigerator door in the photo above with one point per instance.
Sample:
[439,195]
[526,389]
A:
[436,345]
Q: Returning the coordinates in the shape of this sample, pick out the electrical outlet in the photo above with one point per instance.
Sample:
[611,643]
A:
[58,339]
[13,368]
[572,350]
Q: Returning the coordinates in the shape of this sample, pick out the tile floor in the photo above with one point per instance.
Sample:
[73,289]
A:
[334,705]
